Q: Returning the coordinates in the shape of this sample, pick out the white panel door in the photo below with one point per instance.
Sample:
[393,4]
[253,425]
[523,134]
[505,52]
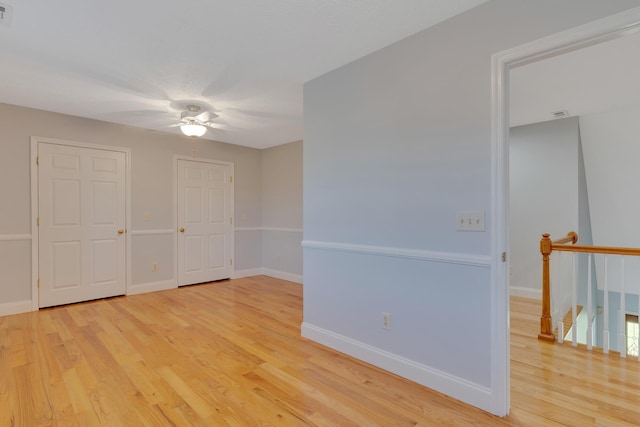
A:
[81,201]
[205,222]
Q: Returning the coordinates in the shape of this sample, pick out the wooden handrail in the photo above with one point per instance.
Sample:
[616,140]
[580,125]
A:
[571,236]
[609,250]
[546,247]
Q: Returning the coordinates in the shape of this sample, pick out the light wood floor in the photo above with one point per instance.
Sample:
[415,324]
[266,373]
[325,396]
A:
[230,354]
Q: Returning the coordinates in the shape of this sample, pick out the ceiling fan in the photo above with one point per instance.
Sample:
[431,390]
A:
[194,122]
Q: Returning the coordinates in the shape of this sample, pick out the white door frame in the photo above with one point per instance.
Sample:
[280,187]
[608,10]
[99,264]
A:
[176,158]
[612,27]
[35,241]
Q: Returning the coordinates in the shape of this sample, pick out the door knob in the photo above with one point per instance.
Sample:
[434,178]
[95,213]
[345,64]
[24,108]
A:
[121,231]
[182,229]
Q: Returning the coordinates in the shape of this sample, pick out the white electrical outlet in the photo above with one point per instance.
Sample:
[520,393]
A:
[155,267]
[386,321]
[147,216]
[470,221]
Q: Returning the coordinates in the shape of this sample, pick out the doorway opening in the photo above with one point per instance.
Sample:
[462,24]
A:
[575,39]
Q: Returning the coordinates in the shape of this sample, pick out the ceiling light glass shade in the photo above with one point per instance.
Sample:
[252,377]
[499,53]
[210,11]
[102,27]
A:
[193,130]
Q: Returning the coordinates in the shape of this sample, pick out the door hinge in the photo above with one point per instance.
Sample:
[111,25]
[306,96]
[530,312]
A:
[231,179]
[504,257]
[38,283]
[37,160]
[231,221]
[38,222]
[231,262]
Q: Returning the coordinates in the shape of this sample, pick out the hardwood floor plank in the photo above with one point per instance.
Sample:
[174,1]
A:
[78,397]
[230,354]
[142,379]
[64,414]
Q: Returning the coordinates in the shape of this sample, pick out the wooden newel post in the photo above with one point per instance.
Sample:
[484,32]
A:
[546,331]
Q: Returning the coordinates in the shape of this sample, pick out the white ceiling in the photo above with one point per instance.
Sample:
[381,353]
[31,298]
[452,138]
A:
[141,62]
[600,78]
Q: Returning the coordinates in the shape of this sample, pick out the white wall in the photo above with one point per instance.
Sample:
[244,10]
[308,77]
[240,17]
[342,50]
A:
[611,145]
[543,178]
[152,156]
[395,144]
[611,152]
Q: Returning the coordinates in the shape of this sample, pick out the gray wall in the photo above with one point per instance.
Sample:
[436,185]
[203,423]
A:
[543,178]
[395,144]
[548,194]
[152,187]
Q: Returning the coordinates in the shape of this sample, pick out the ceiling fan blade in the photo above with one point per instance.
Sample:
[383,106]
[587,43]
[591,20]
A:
[205,116]
[212,125]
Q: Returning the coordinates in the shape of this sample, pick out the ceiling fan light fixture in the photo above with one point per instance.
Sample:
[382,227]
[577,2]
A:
[193,130]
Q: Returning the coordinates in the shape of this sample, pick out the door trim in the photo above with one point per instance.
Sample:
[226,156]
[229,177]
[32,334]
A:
[176,158]
[609,28]
[35,240]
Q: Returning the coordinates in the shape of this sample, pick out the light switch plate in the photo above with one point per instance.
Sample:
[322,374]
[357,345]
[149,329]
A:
[5,14]
[470,221]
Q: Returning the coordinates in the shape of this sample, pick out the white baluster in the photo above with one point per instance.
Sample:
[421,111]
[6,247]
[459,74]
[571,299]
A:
[556,289]
[605,332]
[574,301]
[560,332]
[621,329]
[589,308]
[553,286]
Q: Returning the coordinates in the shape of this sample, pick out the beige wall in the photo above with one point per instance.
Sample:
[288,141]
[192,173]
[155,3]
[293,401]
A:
[282,186]
[282,210]
[152,157]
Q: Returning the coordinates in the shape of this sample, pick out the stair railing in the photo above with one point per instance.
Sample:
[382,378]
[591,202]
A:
[568,244]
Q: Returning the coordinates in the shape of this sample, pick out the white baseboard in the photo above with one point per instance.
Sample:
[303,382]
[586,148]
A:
[239,274]
[283,275]
[297,278]
[143,288]
[15,307]
[458,388]
[517,291]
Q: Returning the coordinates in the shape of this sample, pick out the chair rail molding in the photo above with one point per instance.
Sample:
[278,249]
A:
[416,254]
[14,237]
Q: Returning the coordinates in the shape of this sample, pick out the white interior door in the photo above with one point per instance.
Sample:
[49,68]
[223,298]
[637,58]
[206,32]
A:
[205,222]
[82,205]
